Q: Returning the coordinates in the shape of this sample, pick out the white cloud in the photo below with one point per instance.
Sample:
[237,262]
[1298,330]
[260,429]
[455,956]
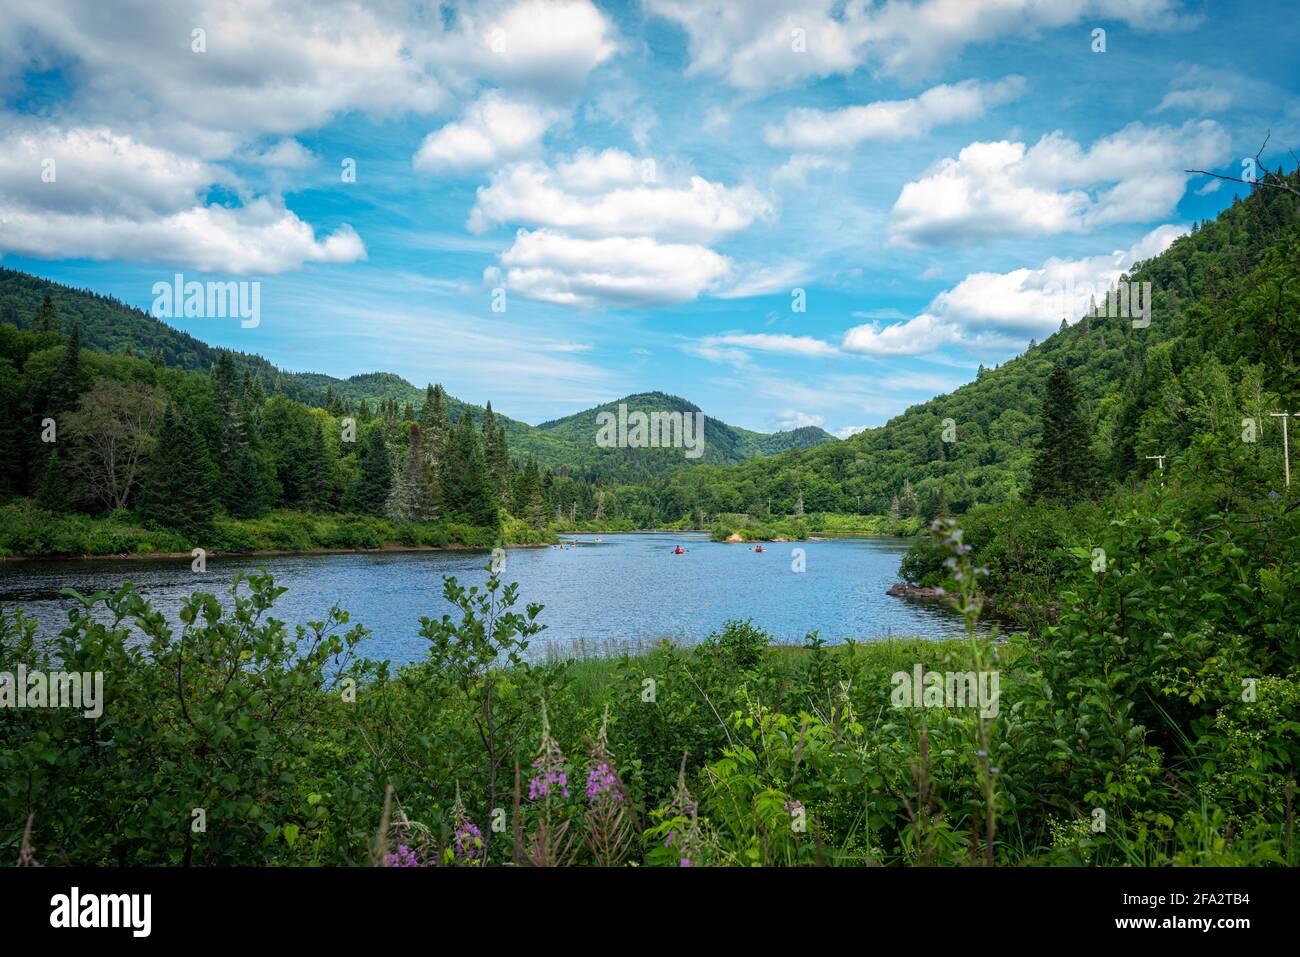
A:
[96,169]
[115,198]
[533,194]
[269,67]
[849,430]
[754,280]
[1005,309]
[843,129]
[781,344]
[794,419]
[796,169]
[554,267]
[545,47]
[492,131]
[1202,99]
[912,338]
[755,47]
[257,238]
[283,154]
[1002,189]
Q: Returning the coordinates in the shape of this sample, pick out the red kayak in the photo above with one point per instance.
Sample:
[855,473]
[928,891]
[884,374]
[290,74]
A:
[679,550]
[759,548]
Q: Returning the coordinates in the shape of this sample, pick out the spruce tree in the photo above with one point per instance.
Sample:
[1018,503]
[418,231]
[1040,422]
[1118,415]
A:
[1063,468]
[412,499]
[47,317]
[178,485]
[496,456]
[369,492]
[65,386]
[467,492]
[528,496]
[317,472]
[54,491]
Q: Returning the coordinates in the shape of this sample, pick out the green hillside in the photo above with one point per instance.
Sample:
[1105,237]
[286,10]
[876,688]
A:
[1221,346]
[111,326]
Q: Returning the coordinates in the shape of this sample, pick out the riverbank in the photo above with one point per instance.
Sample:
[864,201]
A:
[29,532]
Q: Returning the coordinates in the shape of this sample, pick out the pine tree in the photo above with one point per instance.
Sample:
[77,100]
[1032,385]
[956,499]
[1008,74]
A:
[528,503]
[178,484]
[65,387]
[369,493]
[317,471]
[909,500]
[466,489]
[895,512]
[47,317]
[1063,468]
[54,491]
[411,499]
[496,456]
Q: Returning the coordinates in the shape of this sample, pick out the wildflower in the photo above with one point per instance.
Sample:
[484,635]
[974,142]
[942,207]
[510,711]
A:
[602,780]
[550,767]
[402,857]
[467,839]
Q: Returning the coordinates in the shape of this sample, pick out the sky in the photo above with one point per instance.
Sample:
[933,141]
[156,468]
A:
[790,213]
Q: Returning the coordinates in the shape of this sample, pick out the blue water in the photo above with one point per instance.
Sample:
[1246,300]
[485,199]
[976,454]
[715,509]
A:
[605,594]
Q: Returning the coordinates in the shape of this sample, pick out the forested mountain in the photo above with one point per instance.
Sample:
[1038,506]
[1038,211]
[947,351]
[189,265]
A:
[568,444]
[1221,346]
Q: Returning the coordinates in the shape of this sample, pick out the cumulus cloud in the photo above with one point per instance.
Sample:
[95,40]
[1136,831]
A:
[794,419]
[492,131]
[766,44]
[114,198]
[204,81]
[843,129]
[619,270]
[1005,309]
[258,238]
[268,67]
[588,217]
[545,47]
[283,154]
[1003,189]
[534,194]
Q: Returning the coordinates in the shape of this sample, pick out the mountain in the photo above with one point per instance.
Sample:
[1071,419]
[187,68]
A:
[1223,345]
[109,325]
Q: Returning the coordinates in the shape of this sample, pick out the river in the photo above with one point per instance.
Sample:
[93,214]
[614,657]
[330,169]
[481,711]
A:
[603,595]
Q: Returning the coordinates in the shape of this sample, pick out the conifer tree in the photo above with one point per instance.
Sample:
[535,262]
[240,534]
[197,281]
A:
[369,492]
[178,485]
[467,492]
[412,499]
[66,385]
[1063,468]
[528,503]
[47,317]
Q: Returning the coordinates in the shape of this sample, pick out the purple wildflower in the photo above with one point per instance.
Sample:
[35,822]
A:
[602,780]
[403,857]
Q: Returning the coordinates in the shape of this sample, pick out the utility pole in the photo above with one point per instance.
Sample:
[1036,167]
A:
[1286,445]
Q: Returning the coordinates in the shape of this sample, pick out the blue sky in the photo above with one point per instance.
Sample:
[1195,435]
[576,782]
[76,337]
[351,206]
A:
[649,183]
